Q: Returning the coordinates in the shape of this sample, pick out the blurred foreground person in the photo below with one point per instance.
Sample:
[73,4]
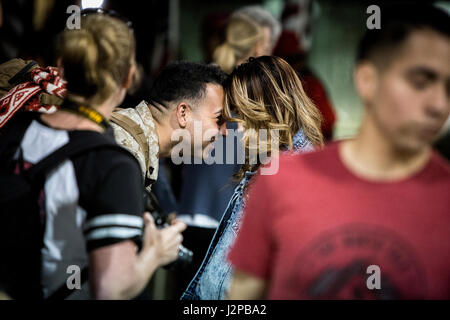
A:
[368,217]
[265,93]
[91,204]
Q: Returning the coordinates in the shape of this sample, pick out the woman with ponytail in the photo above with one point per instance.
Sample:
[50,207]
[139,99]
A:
[244,39]
[91,204]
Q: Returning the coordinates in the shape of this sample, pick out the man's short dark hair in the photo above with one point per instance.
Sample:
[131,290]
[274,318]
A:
[184,80]
[397,23]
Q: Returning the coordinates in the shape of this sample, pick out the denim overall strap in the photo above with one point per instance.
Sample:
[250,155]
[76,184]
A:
[190,292]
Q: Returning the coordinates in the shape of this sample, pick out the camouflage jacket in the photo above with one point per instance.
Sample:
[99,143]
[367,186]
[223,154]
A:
[142,116]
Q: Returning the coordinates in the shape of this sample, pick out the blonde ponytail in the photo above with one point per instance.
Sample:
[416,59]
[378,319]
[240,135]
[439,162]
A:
[79,57]
[96,58]
[225,57]
[242,36]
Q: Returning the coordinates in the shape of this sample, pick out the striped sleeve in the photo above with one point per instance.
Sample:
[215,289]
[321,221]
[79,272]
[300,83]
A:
[113,226]
[115,207]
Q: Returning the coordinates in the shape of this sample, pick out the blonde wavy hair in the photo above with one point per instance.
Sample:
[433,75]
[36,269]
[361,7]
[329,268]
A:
[242,36]
[266,93]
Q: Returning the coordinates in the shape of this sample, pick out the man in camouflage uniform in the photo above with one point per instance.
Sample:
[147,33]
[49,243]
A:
[184,95]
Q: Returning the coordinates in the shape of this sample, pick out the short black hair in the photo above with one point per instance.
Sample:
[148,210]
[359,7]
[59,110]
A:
[184,80]
[397,23]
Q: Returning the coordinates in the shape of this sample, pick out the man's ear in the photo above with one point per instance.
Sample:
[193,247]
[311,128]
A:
[366,78]
[183,112]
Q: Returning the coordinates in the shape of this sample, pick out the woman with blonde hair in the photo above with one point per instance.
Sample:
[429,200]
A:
[266,95]
[244,38]
[91,204]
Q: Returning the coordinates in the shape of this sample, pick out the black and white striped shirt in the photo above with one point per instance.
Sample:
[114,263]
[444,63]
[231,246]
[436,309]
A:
[92,201]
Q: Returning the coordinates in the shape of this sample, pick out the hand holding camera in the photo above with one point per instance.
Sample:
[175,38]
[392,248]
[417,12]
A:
[164,231]
[166,241]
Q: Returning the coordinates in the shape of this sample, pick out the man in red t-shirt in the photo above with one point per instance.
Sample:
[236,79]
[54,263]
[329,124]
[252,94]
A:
[367,217]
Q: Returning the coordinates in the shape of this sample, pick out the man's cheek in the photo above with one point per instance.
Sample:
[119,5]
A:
[210,134]
[385,119]
[397,104]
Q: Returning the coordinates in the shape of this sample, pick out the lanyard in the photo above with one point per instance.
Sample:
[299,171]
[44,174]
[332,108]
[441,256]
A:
[86,112]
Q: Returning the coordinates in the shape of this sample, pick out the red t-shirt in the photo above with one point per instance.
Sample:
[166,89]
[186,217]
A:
[312,230]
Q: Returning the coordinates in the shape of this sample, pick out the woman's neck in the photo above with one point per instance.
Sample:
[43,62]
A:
[69,121]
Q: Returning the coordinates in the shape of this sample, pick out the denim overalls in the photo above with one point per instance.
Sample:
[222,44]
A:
[213,278]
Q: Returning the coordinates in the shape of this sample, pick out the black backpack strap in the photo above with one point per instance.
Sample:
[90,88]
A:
[12,134]
[72,149]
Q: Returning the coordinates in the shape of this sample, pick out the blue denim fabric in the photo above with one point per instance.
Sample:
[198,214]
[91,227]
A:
[212,280]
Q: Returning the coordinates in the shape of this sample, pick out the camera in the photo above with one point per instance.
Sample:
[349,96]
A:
[162,220]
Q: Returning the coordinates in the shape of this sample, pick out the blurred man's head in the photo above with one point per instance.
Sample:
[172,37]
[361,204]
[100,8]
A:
[188,94]
[403,75]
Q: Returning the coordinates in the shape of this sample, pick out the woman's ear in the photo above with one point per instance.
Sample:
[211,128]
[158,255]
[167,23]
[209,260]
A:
[129,80]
